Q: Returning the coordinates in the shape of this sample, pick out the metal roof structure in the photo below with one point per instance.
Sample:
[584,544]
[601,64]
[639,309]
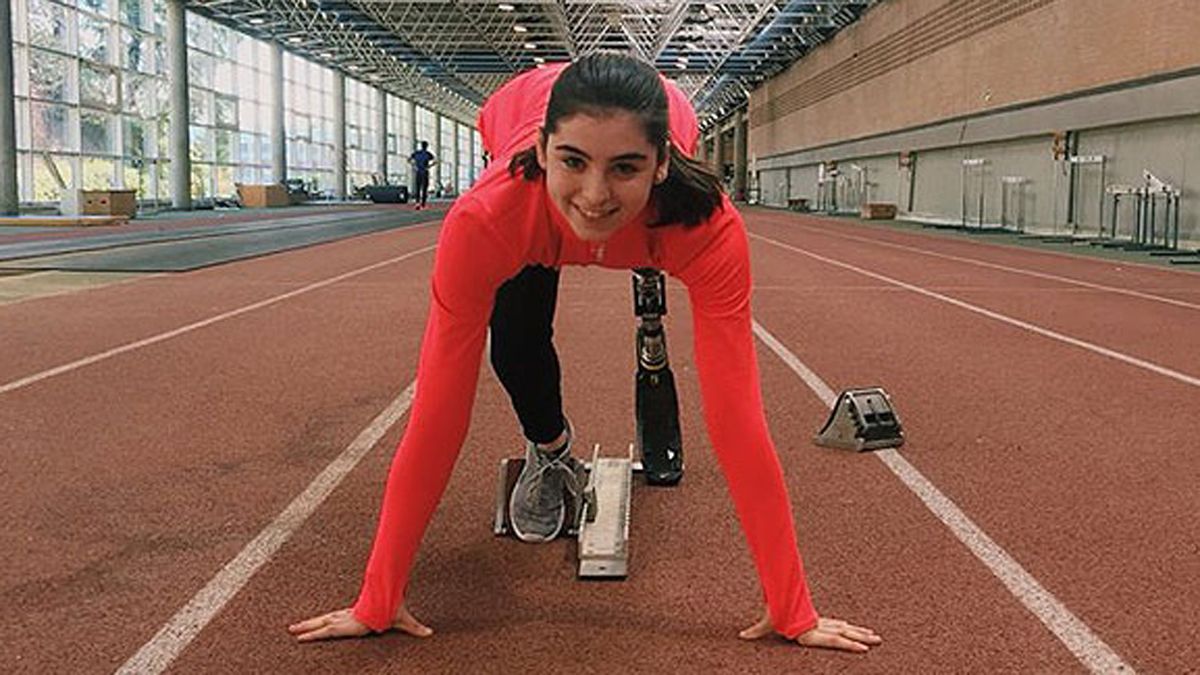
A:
[451,54]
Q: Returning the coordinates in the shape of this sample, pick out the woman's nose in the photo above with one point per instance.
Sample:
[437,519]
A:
[595,189]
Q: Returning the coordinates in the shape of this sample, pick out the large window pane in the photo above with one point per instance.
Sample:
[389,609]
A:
[49,126]
[201,107]
[137,52]
[201,180]
[131,13]
[98,173]
[222,41]
[93,38]
[247,148]
[48,76]
[223,73]
[139,95]
[224,178]
[100,7]
[200,70]
[201,144]
[160,16]
[48,24]
[225,111]
[97,86]
[247,88]
[164,136]
[95,130]
[135,137]
[199,32]
[224,146]
[47,172]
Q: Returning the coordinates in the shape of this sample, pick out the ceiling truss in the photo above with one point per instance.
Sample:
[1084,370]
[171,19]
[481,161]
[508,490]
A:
[451,54]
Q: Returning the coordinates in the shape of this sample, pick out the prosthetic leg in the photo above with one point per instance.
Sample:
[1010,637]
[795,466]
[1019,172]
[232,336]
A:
[656,404]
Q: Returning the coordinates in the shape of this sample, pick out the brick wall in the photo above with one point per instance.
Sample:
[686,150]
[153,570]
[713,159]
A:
[913,62]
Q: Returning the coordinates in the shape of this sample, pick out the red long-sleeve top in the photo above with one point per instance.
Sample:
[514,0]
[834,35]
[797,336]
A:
[505,223]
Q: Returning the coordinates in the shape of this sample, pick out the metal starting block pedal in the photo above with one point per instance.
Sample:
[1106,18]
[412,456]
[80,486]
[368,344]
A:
[862,419]
[598,515]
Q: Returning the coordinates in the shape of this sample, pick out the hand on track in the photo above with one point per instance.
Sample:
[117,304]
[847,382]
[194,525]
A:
[342,624]
[828,634]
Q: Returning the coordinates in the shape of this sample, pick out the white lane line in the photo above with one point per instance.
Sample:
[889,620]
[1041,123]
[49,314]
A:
[172,638]
[1087,647]
[1045,332]
[130,346]
[1013,270]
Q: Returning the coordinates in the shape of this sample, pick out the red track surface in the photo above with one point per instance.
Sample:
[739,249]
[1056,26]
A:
[128,483]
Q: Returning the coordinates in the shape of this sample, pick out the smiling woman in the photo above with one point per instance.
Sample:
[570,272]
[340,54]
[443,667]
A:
[598,171]
[610,97]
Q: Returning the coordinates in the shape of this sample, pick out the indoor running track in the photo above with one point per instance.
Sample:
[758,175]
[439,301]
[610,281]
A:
[193,461]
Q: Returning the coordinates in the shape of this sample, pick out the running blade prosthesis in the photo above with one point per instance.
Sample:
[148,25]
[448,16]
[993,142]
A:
[862,419]
[597,515]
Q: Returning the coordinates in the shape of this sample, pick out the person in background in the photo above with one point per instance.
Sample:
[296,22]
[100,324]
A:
[421,161]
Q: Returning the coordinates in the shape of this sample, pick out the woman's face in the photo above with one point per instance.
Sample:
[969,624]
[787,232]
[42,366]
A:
[599,171]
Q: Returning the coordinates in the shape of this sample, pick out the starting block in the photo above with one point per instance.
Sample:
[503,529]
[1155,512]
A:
[862,419]
[598,515]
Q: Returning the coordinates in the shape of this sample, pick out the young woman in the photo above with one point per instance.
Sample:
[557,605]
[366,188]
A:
[591,165]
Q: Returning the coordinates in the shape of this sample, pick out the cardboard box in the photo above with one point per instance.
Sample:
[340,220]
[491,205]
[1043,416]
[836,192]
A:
[108,202]
[260,196]
[878,211]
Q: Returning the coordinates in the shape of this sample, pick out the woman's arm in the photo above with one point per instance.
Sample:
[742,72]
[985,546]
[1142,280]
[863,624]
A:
[471,262]
[718,281]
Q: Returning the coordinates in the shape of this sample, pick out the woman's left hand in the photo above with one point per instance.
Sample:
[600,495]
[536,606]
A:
[828,634]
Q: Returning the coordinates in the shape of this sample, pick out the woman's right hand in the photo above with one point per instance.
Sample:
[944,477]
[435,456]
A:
[342,624]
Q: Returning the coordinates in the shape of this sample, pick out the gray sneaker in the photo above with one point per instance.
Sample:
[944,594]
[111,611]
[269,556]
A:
[538,505]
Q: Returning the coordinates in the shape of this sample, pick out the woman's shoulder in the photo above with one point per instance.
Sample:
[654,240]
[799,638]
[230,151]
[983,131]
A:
[497,193]
[720,236]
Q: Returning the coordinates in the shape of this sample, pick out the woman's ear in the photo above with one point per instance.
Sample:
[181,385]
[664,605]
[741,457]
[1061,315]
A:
[663,168]
[540,146]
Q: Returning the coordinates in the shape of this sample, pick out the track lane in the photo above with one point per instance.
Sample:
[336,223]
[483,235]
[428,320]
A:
[131,481]
[692,584]
[1024,434]
[53,331]
[1125,273]
[1164,334]
[856,560]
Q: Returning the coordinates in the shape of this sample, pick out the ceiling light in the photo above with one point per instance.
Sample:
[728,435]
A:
[518,28]
[327,55]
[505,7]
[295,39]
[530,45]
[538,59]
[681,65]
[258,21]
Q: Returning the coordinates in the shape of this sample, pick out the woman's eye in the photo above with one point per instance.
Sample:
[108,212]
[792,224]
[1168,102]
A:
[625,169]
[572,162]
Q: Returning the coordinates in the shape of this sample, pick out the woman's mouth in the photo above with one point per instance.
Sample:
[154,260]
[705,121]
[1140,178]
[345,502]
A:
[595,214]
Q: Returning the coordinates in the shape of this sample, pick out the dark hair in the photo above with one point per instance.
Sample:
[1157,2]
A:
[604,81]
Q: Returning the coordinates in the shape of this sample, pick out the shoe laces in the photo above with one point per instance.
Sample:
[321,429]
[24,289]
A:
[563,468]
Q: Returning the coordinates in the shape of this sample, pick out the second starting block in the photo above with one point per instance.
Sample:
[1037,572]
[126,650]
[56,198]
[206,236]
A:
[597,513]
[862,419]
